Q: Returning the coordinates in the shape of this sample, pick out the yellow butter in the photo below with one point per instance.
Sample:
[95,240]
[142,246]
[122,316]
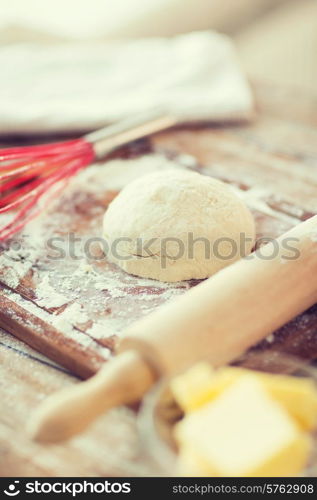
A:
[244,432]
[297,395]
[201,385]
[195,387]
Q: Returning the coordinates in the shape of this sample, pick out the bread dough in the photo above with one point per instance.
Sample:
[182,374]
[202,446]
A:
[177,225]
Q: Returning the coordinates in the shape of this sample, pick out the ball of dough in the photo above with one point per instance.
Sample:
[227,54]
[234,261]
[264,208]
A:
[177,225]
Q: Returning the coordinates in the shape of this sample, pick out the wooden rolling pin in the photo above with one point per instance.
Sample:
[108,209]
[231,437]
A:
[216,320]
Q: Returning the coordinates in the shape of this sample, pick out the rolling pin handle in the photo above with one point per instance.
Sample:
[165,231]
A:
[124,380]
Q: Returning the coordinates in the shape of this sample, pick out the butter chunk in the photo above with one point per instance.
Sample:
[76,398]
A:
[201,384]
[195,387]
[244,432]
[297,395]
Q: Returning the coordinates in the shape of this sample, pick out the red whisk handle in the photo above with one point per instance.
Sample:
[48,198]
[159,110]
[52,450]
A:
[28,173]
[108,138]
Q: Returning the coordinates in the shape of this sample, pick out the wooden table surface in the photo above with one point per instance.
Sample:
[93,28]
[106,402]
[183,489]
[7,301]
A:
[283,138]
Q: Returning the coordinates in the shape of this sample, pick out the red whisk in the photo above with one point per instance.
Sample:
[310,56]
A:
[32,174]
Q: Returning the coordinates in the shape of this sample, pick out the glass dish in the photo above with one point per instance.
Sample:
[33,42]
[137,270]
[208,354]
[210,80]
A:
[159,412]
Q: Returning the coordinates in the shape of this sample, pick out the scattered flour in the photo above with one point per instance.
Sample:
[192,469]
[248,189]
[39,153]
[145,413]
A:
[270,338]
[14,265]
[75,313]
[62,322]
[63,284]
[47,295]
[118,173]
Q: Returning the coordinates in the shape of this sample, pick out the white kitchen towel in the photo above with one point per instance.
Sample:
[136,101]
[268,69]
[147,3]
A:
[82,86]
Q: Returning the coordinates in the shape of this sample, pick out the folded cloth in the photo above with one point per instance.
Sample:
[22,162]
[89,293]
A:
[76,86]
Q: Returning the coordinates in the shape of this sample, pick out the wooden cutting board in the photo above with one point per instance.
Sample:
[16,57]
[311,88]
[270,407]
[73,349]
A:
[61,296]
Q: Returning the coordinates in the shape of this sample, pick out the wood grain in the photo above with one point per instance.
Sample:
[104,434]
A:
[109,447]
[47,339]
[273,164]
